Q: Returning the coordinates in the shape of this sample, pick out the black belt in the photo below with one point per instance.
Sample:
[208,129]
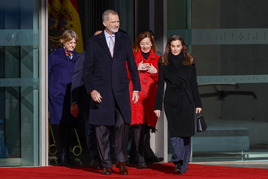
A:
[183,87]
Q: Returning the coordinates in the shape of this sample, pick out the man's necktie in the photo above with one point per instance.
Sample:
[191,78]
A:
[111,46]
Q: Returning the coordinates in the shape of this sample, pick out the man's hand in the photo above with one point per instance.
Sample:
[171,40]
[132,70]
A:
[135,97]
[198,110]
[157,113]
[74,110]
[95,95]
[151,69]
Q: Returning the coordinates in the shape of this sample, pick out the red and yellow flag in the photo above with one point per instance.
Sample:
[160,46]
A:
[55,14]
[49,5]
[70,20]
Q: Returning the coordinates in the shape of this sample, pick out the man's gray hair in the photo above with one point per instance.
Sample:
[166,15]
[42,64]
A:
[105,15]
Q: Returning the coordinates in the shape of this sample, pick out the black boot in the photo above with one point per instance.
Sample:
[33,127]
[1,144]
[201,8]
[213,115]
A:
[95,164]
[141,163]
[178,168]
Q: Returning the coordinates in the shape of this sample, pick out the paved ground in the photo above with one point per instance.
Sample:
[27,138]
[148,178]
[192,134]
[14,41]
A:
[246,164]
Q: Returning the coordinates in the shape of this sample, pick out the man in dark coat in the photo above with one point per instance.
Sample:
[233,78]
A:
[107,83]
[80,104]
[80,100]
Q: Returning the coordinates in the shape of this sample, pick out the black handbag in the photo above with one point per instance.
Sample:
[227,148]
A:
[201,125]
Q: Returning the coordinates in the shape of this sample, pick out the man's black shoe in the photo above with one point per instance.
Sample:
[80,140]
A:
[141,166]
[95,164]
[154,159]
[132,160]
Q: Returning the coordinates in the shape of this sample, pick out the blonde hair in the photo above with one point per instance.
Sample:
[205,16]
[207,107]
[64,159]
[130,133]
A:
[68,35]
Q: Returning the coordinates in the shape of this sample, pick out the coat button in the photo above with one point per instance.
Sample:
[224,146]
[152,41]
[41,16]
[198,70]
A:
[143,93]
[144,80]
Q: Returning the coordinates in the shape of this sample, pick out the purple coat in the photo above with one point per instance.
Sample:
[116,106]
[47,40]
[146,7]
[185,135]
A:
[60,71]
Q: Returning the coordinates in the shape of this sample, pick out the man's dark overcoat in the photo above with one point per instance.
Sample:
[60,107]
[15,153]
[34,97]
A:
[78,90]
[108,75]
[181,97]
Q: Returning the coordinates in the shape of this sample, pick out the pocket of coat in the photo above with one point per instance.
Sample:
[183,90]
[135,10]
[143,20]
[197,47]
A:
[124,80]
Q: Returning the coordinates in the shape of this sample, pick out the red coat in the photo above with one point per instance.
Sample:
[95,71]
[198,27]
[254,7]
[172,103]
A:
[144,108]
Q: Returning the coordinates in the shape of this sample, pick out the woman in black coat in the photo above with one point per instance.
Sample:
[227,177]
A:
[177,69]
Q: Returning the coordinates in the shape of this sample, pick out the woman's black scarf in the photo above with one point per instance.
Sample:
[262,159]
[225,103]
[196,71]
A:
[145,55]
[176,58]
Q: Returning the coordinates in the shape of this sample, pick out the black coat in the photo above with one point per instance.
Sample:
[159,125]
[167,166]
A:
[181,97]
[108,75]
[78,92]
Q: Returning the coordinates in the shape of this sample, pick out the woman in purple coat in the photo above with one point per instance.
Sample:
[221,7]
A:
[60,70]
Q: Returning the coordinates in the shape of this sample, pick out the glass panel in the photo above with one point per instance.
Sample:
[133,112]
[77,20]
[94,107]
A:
[229,41]
[19,82]
[237,125]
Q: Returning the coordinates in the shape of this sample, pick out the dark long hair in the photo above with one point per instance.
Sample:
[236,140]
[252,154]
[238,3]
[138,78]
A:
[142,36]
[189,59]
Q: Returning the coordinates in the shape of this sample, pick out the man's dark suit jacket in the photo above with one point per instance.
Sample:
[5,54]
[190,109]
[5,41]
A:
[108,75]
[78,91]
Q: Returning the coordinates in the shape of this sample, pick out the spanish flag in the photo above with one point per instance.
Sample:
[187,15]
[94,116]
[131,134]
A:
[70,20]
[49,5]
[55,14]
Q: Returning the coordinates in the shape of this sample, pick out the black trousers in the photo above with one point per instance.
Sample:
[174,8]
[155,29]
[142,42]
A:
[141,132]
[139,143]
[148,150]
[90,135]
[63,138]
[121,140]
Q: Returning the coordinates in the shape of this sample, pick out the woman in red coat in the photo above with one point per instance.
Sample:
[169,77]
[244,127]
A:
[143,117]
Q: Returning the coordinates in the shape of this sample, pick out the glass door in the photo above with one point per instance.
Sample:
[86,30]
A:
[229,41]
[19,82]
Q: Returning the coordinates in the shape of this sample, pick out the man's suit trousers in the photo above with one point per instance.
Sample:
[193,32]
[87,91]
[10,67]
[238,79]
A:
[121,140]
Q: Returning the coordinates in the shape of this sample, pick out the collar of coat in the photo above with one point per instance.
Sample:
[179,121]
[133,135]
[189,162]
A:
[103,43]
[139,57]
[61,53]
[177,67]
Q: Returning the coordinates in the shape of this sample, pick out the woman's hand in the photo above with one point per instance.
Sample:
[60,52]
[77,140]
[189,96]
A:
[74,110]
[157,113]
[151,69]
[143,66]
[95,95]
[198,110]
